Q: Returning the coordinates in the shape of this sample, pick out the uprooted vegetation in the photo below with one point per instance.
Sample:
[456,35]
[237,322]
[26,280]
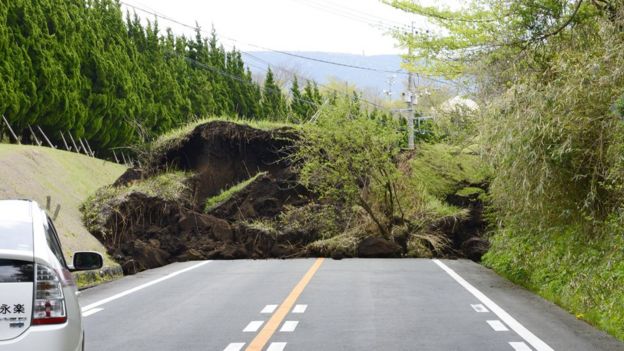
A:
[229,190]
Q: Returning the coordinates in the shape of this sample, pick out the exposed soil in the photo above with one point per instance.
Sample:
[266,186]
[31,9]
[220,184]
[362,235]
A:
[143,231]
[223,154]
[466,235]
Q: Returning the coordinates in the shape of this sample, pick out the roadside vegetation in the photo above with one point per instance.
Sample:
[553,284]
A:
[550,82]
[356,164]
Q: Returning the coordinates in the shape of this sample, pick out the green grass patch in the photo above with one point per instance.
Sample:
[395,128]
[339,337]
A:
[441,168]
[226,194]
[581,274]
[470,191]
[168,186]
[345,243]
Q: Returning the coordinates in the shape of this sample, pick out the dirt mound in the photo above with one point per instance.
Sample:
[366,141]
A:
[229,191]
[142,228]
[223,154]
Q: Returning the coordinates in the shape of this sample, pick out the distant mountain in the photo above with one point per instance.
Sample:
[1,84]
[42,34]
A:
[373,81]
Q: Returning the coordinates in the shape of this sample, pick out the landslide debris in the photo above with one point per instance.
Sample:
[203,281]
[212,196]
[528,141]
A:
[225,190]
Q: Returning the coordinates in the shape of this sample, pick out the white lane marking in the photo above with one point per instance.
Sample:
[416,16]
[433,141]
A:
[299,308]
[92,311]
[253,326]
[269,309]
[479,308]
[520,346]
[235,346]
[276,346]
[289,326]
[141,287]
[497,325]
[529,337]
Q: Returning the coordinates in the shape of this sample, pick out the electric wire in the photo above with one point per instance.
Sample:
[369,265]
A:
[250,55]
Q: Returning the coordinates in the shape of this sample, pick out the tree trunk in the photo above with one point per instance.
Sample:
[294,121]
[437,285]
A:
[384,231]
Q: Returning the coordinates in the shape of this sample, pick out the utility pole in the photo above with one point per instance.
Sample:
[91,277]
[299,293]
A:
[390,82]
[409,99]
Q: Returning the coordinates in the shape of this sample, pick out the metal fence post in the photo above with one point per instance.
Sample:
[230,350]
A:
[11,130]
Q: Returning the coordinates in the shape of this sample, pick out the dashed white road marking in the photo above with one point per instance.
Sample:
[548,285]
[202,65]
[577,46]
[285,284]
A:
[141,287]
[276,346]
[92,311]
[289,326]
[497,325]
[529,337]
[253,326]
[479,308]
[269,309]
[299,308]
[235,346]
[520,346]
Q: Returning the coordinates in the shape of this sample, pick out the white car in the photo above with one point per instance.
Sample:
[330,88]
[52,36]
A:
[39,307]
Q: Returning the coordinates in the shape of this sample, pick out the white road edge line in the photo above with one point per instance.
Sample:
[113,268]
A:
[269,309]
[253,326]
[289,326]
[497,325]
[92,311]
[520,346]
[141,287]
[300,308]
[529,337]
[235,346]
[276,346]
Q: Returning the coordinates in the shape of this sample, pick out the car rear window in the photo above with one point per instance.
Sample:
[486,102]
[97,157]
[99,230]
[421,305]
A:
[16,236]
[14,271]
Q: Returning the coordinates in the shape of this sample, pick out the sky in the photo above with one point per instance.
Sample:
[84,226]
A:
[343,26]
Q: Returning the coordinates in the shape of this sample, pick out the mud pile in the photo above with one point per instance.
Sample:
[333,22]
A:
[145,225]
[143,230]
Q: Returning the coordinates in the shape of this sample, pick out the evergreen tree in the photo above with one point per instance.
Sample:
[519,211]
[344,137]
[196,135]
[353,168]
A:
[79,66]
[273,102]
[299,106]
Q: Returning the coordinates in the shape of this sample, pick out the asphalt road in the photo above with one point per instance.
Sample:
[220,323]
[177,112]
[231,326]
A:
[328,305]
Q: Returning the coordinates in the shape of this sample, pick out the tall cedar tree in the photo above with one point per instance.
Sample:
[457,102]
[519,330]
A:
[79,67]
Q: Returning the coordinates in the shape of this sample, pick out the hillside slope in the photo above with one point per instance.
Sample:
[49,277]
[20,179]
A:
[30,172]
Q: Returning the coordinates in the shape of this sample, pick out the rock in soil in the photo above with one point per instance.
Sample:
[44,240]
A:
[378,247]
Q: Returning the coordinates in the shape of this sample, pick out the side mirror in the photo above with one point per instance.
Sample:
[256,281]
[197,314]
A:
[85,261]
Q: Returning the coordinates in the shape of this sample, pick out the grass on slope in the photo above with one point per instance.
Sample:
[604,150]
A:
[30,172]
[228,193]
[584,275]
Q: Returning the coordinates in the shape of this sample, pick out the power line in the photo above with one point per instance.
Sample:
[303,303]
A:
[231,76]
[154,13]
[263,47]
[370,69]
[353,14]
[295,74]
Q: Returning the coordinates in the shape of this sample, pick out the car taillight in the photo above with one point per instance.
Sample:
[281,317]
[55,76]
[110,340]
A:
[49,307]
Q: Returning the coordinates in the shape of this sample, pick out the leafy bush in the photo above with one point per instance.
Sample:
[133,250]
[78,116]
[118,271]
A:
[348,158]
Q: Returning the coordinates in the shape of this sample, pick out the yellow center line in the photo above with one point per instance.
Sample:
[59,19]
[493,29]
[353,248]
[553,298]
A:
[278,317]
